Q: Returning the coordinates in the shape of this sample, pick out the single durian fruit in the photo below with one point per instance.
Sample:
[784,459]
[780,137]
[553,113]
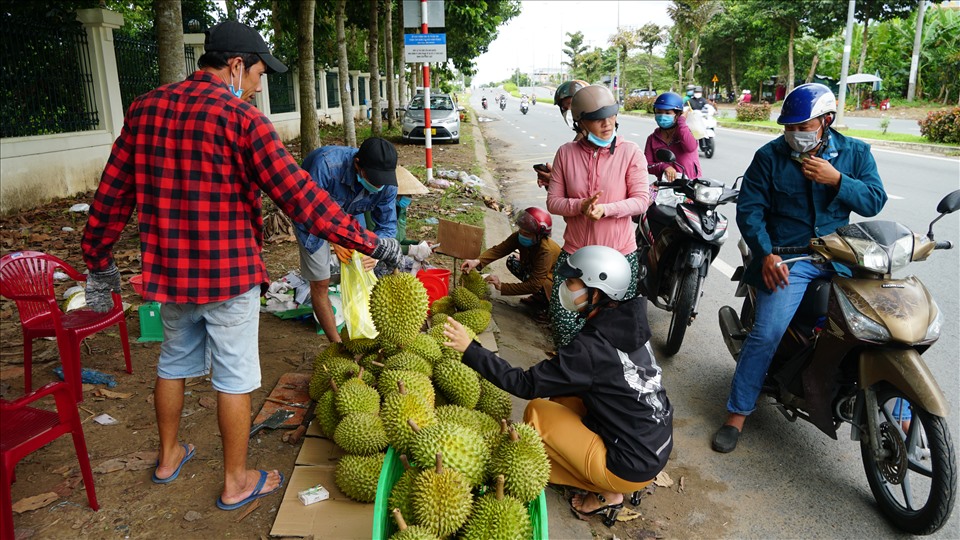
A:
[522,461]
[361,434]
[333,350]
[441,499]
[357,476]
[494,401]
[443,305]
[474,319]
[458,382]
[324,370]
[407,532]
[464,449]
[398,306]
[400,413]
[496,516]
[425,347]
[438,319]
[373,363]
[417,383]
[409,361]
[360,346]
[475,420]
[486,305]
[326,413]
[464,299]
[473,281]
[355,396]
[400,493]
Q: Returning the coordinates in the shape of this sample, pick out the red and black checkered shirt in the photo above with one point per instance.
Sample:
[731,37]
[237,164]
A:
[193,159]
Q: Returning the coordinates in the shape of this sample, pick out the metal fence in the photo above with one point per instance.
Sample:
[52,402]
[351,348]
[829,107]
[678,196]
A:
[46,85]
[138,67]
[282,99]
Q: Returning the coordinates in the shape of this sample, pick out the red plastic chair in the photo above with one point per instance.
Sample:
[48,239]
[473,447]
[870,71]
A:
[26,277]
[27,429]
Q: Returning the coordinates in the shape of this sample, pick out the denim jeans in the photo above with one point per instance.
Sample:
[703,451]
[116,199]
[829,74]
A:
[773,314]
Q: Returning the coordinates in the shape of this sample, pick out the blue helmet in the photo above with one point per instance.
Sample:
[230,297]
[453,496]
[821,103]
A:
[668,101]
[811,100]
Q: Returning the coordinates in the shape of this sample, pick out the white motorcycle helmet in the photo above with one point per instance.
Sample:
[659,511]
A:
[600,267]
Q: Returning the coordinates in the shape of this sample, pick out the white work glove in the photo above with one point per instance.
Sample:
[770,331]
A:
[420,252]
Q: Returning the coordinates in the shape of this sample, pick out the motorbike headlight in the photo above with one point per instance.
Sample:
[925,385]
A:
[869,254]
[860,325]
[902,253]
[933,331]
[707,194]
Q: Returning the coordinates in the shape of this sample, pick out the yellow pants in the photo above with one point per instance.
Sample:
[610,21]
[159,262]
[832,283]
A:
[577,455]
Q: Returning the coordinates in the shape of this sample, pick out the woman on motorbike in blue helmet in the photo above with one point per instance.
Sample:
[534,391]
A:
[673,134]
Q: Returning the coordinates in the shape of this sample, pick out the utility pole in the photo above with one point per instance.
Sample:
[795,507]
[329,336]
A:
[845,66]
[616,80]
[915,59]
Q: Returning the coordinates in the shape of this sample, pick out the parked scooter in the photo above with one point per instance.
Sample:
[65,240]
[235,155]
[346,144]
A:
[708,142]
[852,354]
[484,103]
[678,243]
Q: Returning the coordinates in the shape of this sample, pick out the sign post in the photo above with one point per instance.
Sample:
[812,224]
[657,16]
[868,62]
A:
[715,80]
[426,48]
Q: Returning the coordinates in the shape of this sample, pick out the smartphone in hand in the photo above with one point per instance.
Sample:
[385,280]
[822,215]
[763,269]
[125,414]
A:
[541,167]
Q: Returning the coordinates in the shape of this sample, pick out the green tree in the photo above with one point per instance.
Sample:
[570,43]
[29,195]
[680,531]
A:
[309,126]
[574,49]
[648,37]
[690,17]
[623,42]
[878,10]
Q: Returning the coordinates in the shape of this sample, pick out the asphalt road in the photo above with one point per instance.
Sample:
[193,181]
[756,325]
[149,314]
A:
[785,479]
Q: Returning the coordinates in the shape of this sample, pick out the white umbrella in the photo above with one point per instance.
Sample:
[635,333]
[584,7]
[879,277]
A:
[862,78]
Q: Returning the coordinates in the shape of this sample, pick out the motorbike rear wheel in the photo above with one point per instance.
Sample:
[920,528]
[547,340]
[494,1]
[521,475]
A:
[915,485]
[682,310]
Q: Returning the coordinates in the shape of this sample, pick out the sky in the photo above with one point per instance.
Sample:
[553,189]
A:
[534,39]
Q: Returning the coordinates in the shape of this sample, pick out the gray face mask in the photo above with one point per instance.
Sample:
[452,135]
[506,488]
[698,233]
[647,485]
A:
[802,141]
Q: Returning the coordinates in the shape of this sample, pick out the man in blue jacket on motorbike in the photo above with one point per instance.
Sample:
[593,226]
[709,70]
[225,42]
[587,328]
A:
[801,185]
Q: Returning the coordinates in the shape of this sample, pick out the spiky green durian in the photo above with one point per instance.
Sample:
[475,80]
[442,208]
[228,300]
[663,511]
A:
[360,346]
[326,413]
[443,305]
[497,517]
[425,347]
[407,532]
[357,476]
[398,306]
[459,383]
[441,499]
[416,383]
[474,319]
[400,493]
[409,361]
[523,462]
[473,281]
[476,420]
[494,401]
[401,412]
[373,362]
[324,370]
[464,299]
[333,350]
[486,305]
[355,396]
[361,434]
[463,448]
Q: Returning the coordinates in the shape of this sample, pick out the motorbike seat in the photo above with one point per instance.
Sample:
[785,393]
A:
[661,214]
[812,307]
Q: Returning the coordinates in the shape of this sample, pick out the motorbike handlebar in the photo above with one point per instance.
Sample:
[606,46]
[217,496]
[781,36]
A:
[790,250]
[943,245]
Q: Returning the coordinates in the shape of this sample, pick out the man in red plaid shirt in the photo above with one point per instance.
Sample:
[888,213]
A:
[193,158]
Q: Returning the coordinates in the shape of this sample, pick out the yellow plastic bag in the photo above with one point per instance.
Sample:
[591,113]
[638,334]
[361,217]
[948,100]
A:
[355,286]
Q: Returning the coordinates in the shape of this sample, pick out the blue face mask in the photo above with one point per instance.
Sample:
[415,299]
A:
[237,91]
[404,202]
[525,241]
[602,143]
[367,185]
[665,121]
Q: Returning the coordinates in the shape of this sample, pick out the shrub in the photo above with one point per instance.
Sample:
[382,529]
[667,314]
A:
[942,126]
[637,103]
[748,112]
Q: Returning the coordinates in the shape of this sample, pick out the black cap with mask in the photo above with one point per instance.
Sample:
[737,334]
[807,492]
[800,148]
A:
[233,37]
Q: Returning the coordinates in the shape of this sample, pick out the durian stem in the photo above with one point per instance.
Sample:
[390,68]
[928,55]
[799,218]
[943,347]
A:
[360,374]
[514,436]
[406,462]
[374,363]
[401,524]
[413,425]
[500,482]
[439,463]
[401,388]
[503,426]
[333,384]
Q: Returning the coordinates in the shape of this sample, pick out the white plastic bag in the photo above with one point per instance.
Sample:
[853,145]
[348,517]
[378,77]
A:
[696,124]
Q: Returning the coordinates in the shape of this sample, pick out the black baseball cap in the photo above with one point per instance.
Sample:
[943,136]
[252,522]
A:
[378,159]
[234,37]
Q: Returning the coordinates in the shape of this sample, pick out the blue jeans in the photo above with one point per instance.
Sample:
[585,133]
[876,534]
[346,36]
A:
[773,314]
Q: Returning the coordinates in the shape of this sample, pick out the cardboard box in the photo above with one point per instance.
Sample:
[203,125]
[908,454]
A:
[319,451]
[337,517]
[459,240]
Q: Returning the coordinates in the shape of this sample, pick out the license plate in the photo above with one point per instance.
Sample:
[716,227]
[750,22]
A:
[433,131]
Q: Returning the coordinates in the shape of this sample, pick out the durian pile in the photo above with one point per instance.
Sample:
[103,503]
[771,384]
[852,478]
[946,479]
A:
[406,389]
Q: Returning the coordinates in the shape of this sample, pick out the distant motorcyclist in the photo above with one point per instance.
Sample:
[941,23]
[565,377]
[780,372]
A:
[484,102]
[697,101]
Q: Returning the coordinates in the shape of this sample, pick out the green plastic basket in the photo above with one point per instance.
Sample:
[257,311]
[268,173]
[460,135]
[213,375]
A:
[384,526]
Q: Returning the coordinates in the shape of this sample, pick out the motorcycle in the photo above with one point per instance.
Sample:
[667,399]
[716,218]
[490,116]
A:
[503,103]
[677,245]
[533,100]
[852,354]
[484,103]
[707,142]
[524,108]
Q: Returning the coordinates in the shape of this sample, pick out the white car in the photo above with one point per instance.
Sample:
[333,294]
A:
[444,119]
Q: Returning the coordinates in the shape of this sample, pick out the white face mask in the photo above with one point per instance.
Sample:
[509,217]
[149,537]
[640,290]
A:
[697,95]
[802,141]
[568,298]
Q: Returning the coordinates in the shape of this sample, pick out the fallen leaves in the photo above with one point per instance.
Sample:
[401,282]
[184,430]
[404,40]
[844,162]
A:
[110,394]
[32,503]
[663,479]
[136,461]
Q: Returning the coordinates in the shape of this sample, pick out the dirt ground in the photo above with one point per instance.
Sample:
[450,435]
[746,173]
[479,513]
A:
[131,506]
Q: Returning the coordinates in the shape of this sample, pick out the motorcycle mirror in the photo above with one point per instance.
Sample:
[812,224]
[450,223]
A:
[948,205]
[736,183]
[665,156]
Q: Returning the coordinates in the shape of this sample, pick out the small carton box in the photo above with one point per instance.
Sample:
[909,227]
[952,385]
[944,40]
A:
[314,494]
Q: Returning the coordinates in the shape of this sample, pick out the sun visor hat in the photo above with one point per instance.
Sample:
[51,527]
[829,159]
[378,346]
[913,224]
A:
[378,159]
[594,102]
[408,184]
[233,37]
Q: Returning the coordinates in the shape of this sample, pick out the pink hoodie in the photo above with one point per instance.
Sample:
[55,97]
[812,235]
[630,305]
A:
[580,169]
[684,146]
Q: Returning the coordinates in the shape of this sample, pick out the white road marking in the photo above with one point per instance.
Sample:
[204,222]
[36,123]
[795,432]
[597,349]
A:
[522,131]
[541,144]
[723,268]
[894,197]
[924,156]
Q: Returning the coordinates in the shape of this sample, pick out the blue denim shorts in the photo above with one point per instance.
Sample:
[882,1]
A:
[222,335]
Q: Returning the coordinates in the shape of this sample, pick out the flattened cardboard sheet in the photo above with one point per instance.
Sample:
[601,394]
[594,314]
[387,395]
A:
[337,517]
[319,451]
[291,388]
[459,240]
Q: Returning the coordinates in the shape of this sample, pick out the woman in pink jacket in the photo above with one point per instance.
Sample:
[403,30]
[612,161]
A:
[598,184]
[674,135]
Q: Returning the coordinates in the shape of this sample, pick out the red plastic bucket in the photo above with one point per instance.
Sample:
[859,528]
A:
[137,283]
[436,281]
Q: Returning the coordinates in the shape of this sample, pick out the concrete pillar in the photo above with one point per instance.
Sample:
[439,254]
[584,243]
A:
[194,41]
[355,90]
[99,24]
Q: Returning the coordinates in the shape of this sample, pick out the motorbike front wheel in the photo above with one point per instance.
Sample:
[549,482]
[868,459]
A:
[682,310]
[708,150]
[916,483]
